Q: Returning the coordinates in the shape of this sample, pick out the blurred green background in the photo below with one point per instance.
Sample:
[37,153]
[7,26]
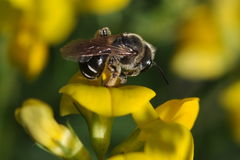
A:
[197,45]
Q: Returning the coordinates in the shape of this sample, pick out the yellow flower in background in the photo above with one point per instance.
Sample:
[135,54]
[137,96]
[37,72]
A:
[231,101]
[52,21]
[37,118]
[203,52]
[112,101]
[31,27]
[27,51]
[102,6]
[227,15]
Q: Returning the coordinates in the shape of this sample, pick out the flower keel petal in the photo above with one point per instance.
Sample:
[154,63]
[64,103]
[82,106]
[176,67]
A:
[183,111]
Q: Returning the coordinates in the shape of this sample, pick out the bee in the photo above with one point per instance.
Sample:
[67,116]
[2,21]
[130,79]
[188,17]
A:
[123,55]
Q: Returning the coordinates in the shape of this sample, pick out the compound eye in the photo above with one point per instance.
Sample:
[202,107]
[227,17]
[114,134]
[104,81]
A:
[146,61]
[146,65]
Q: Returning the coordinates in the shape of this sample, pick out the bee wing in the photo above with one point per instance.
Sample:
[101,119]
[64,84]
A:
[82,50]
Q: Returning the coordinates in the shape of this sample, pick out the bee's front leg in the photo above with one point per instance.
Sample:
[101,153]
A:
[123,78]
[103,32]
[115,70]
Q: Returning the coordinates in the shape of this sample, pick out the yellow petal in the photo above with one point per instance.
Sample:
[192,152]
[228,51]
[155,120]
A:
[145,115]
[67,106]
[94,98]
[37,118]
[197,61]
[129,99]
[27,51]
[102,100]
[105,6]
[202,53]
[109,101]
[163,141]
[167,141]
[231,102]
[231,96]
[227,14]
[55,19]
[25,5]
[183,111]
[38,57]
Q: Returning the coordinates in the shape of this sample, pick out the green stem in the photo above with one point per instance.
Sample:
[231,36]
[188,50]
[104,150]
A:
[100,129]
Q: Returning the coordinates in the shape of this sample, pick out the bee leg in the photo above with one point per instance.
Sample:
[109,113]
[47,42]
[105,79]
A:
[103,32]
[123,79]
[115,71]
[113,79]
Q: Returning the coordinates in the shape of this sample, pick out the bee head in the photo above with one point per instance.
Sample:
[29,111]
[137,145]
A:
[142,57]
[148,56]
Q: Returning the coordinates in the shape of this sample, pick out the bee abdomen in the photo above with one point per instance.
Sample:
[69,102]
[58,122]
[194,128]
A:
[94,67]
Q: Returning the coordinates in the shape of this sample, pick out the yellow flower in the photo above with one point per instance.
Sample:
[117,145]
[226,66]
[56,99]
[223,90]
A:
[231,102]
[103,6]
[203,52]
[37,118]
[31,27]
[172,111]
[114,101]
[27,51]
[52,20]
[98,104]
[227,14]
[163,141]
[180,113]
[169,137]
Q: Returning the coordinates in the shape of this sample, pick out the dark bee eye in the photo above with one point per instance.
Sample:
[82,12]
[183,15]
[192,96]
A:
[146,61]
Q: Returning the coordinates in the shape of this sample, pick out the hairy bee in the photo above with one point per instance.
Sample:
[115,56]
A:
[125,54]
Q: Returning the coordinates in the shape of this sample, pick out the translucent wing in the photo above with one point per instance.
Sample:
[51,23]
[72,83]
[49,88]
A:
[82,50]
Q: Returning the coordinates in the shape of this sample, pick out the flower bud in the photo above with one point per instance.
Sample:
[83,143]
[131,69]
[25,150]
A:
[37,119]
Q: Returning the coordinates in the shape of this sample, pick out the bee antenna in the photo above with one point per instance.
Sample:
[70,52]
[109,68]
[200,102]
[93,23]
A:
[163,75]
